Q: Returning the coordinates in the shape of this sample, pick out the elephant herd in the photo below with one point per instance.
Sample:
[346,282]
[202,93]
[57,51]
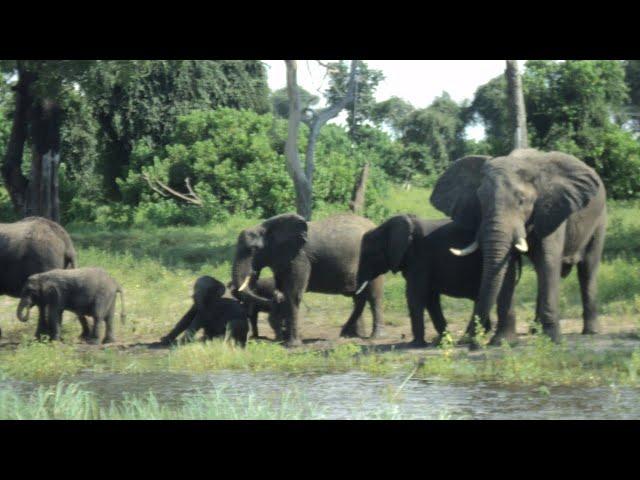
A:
[549,206]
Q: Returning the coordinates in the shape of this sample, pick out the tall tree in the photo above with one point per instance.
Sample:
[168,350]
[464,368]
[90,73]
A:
[140,100]
[360,107]
[391,113]
[517,111]
[303,179]
[280,101]
[37,120]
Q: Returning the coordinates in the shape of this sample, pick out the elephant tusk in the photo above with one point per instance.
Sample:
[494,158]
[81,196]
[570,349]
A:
[465,251]
[362,287]
[521,245]
[245,283]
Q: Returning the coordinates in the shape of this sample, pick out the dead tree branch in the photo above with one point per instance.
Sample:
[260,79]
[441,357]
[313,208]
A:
[166,191]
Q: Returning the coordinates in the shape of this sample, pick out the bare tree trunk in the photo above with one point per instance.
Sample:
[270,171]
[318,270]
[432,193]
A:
[15,182]
[43,192]
[517,112]
[300,180]
[357,199]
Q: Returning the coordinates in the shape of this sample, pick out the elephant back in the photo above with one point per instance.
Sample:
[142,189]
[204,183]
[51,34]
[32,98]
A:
[27,247]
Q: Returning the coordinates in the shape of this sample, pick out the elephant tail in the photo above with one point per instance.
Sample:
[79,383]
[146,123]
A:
[70,260]
[123,315]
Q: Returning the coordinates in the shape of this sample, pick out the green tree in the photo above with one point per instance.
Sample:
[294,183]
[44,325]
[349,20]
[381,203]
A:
[140,101]
[392,114]
[280,101]
[360,109]
[434,136]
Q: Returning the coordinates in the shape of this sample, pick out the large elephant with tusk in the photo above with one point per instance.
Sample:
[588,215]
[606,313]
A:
[549,205]
[319,256]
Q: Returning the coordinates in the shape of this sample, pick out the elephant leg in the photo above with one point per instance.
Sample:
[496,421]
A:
[549,268]
[180,327]
[253,320]
[86,332]
[350,329]
[506,328]
[95,333]
[587,276]
[414,292]
[108,319]
[42,328]
[437,317]
[375,296]
[54,316]
[295,283]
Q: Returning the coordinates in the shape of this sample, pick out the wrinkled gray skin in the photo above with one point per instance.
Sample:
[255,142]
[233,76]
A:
[87,292]
[265,288]
[32,245]
[419,249]
[555,201]
[318,256]
[216,311]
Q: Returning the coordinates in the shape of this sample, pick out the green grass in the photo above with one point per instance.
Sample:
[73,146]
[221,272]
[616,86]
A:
[65,401]
[157,268]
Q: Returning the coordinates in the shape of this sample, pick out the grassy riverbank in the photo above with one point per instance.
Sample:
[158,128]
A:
[157,268]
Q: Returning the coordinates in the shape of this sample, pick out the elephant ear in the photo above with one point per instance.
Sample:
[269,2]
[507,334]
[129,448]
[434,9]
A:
[399,238]
[565,186]
[49,292]
[287,232]
[455,191]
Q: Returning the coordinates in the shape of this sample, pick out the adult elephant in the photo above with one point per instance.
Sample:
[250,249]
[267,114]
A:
[549,205]
[318,256]
[32,245]
[420,249]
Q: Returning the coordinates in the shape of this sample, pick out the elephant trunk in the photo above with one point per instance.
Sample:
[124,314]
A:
[25,303]
[496,248]
[244,279]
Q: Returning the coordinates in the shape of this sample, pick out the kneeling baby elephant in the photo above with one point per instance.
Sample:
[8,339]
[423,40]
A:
[83,291]
[213,310]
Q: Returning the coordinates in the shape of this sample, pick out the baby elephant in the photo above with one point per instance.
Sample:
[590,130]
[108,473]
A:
[213,310]
[265,288]
[83,291]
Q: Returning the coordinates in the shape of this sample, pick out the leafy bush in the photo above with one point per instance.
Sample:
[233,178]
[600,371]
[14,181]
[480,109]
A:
[234,160]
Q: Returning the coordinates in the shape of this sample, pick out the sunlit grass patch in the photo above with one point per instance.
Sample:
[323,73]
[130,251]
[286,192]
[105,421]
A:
[41,361]
[539,363]
[263,356]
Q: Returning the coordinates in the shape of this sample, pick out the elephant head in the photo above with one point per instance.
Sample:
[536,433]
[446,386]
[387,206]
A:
[506,199]
[273,243]
[384,248]
[206,291]
[36,291]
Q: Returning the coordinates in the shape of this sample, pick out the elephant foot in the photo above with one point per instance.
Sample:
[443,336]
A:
[466,339]
[418,343]
[93,341]
[379,333]
[474,345]
[591,327]
[108,340]
[510,337]
[349,332]
[293,342]
[553,332]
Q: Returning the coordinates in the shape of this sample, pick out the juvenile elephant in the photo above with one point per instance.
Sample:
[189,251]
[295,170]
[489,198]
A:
[83,291]
[32,245]
[550,206]
[265,288]
[319,256]
[215,311]
[419,249]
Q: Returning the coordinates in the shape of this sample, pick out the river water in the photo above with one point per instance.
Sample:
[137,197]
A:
[356,395]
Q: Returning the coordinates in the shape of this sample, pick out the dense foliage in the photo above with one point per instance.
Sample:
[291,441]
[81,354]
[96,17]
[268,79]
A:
[217,124]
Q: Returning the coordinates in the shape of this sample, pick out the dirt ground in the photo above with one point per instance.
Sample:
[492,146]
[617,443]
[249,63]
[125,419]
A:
[321,317]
